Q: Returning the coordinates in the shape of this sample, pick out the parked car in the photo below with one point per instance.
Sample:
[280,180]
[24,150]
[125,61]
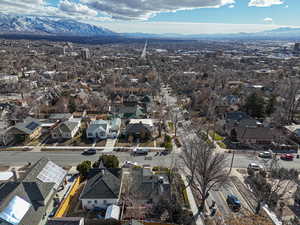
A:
[165,152]
[233,202]
[265,155]
[90,151]
[255,166]
[288,157]
[139,151]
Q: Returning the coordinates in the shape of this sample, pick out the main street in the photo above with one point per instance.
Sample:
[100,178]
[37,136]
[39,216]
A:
[18,158]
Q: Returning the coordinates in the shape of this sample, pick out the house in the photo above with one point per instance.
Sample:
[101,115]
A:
[66,221]
[30,199]
[98,129]
[293,131]
[129,111]
[103,188]
[28,130]
[67,129]
[149,186]
[103,129]
[141,129]
[60,117]
[254,135]
[115,125]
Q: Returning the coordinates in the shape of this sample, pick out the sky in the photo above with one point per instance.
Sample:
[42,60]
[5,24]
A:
[167,16]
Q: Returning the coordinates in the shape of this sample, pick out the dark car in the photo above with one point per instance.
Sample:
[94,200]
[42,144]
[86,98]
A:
[90,151]
[233,202]
[288,157]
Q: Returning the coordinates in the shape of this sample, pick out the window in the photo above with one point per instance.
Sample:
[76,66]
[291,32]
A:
[104,202]
[89,202]
[96,201]
[90,134]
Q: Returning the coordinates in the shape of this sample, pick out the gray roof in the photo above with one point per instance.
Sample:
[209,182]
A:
[137,128]
[101,186]
[28,126]
[60,116]
[30,189]
[133,222]
[147,185]
[68,126]
[95,125]
[236,116]
[257,133]
[65,221]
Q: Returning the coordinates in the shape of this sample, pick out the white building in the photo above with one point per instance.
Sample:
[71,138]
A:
[102,189]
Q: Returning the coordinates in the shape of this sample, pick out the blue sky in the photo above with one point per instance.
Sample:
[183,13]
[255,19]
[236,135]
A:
[167,16]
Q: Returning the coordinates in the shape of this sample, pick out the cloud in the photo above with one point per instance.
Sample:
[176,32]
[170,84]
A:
[231,6]
[264,3]
[268,20]
[76,8]
[184,28]
[144,9]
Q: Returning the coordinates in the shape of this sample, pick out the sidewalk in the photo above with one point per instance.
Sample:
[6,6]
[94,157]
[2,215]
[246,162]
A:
[192,202]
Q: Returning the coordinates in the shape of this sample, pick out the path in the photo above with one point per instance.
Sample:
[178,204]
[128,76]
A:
[192,202]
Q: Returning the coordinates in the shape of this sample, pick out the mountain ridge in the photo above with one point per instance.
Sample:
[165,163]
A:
[49,26]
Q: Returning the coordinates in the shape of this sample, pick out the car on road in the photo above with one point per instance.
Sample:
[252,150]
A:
[288,157]
[265,155]
[140,151]
[90,151]
[233,202]
[255,166]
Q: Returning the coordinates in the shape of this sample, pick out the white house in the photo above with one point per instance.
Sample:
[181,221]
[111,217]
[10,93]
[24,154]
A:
[67,129]
[103,188]
[103,129]
[98,129]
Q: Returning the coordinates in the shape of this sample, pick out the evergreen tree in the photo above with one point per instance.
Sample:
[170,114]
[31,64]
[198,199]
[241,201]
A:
[255,106]
[270,107]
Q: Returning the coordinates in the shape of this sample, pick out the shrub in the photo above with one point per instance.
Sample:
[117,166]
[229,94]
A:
[109,161]
[168,138]
[84,167]
[169,146]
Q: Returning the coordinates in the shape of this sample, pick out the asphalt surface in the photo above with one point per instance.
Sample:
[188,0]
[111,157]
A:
[17,158]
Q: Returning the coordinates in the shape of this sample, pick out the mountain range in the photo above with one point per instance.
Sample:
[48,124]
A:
[49,25]
[37,25]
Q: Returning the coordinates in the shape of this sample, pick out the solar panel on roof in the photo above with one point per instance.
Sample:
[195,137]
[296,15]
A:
[15,211]
[52,173]
[32,126]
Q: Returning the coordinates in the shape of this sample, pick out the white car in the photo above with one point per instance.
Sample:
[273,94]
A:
[255,166]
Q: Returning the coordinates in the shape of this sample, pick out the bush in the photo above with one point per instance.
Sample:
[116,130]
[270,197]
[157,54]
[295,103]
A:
[169,146]
[168,139]
[84,167]
[109,161]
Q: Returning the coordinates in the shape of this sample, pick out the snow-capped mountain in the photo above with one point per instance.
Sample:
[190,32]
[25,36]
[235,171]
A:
[49,25]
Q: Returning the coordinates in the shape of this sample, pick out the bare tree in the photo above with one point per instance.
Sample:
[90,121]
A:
[206,168]
[271,185]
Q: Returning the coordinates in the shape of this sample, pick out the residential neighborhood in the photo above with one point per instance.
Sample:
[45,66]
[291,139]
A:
[203,133]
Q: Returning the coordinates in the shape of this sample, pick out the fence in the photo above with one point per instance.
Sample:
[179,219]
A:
[65,204]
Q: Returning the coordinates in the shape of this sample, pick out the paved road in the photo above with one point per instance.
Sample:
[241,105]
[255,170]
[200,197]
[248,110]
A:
[16,158]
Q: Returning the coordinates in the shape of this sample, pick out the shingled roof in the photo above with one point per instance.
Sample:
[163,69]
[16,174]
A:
[32,190]
[102,185]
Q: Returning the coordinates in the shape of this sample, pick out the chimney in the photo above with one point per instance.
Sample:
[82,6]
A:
[15,175]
